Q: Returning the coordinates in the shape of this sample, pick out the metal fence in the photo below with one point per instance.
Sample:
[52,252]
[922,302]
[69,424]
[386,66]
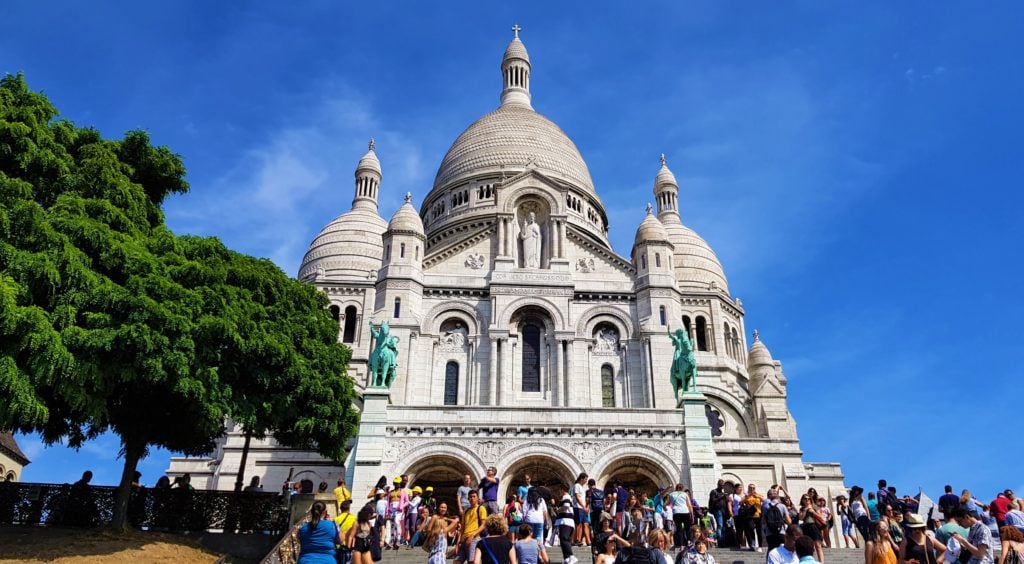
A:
[164,509]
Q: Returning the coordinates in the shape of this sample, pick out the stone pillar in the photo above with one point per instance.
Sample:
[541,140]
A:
[568,372]
[501,236]
[700,463]
[369,451]
[560,370]
[492,376]
[561,238]
[507,359]
[624,366]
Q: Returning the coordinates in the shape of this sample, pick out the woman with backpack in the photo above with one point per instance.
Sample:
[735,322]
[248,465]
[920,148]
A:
[565,524]
[513,514]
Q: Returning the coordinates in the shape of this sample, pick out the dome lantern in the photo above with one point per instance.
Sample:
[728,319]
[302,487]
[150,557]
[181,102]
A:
[368,176]
[666,190]
[515,72]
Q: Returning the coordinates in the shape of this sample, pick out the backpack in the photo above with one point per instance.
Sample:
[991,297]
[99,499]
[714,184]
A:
[596,500]
[775,519]
[628,526]
[636,555]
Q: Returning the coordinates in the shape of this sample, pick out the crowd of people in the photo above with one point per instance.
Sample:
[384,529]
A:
[668,525]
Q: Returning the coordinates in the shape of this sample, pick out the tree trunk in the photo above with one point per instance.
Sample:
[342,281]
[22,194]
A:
[241,467]
[132,454]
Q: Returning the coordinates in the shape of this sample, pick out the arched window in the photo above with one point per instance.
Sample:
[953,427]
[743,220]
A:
[657,260]
[335,313]
[643,262]
[398,308]
[401,250]
[736,344]
[728,341]
[416,256]
[531,358]
[661,315]
[702,334]
[387,252]
[451,383]
[348,335]
[11,477]
[607,386]
[686,325]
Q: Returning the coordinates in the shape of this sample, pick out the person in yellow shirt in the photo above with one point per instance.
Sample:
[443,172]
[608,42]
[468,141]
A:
[345,520]
[472,524]
[750,508]
[341,493]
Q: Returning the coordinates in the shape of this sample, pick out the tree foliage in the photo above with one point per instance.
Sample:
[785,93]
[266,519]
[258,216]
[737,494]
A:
[109,321]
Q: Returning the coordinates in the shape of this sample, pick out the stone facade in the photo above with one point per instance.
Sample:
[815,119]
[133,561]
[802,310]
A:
[526,342]
[12,459]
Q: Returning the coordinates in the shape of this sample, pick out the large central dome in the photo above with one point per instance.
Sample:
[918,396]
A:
[505,140]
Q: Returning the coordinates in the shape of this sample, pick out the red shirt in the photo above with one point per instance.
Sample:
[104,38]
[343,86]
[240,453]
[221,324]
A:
[1000,505]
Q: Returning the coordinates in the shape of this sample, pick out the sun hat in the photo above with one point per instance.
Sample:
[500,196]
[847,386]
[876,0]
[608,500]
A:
[398,479]
[914,521]
[417,489]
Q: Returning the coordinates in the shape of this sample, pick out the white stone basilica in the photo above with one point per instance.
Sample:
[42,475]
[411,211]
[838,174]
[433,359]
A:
[525,341]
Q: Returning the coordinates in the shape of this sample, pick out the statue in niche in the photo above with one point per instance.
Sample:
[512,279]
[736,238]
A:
[607,341]
[530,236]
[455,338]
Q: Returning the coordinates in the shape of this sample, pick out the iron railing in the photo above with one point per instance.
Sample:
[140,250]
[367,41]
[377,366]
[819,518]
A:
[155,509]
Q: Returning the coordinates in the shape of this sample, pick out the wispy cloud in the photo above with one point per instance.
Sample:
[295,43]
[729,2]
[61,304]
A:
[287,185]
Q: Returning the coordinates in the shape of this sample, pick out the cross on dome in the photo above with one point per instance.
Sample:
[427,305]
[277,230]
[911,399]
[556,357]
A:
[408,197]
[650,208]
[516,29]
[373,144]
[664,162]
[757,337]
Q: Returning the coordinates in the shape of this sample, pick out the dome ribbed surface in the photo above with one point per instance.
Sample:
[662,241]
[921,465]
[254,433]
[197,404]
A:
[348,248]
[508,137]
[695,263]
[406,219]
[369,161]
[759,355]
[665,176]
[650,229]
[516,49]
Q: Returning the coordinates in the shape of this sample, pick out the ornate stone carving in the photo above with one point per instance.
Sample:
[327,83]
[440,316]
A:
[564,292]
[454,339]
[475,261]
[491,451]
[606,341]
[586,451]
[585,264]
[395,449]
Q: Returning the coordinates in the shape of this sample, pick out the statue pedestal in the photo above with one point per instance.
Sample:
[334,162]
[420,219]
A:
[369,452]
[699,458]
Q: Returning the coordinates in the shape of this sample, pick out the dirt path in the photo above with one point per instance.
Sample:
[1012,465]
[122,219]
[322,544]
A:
[74,546]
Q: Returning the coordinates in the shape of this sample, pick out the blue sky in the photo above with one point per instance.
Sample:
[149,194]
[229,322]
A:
[856,166]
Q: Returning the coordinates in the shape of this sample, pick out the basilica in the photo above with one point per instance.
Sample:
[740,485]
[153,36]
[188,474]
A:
[525,341]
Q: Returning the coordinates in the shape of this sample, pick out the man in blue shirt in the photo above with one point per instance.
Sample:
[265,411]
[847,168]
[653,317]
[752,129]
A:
[948,502]
[524,488]
[873,511]
[621,497]
[489,491]
[805,550]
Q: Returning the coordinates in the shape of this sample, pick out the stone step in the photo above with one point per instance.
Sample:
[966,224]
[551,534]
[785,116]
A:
[722,556]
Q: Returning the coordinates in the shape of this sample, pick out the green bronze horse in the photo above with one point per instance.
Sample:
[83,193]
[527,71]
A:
[384,358]
[684,363]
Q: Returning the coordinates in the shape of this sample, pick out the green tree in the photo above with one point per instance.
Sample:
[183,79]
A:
[108,321]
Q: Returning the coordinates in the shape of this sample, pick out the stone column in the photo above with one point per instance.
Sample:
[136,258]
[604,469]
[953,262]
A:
[507,356]
[492,376]
[624,366]
[561,239]
[471,371]
[699,459]
[544,372]
[369,451]
[568,372]
[501,236]
[560,369]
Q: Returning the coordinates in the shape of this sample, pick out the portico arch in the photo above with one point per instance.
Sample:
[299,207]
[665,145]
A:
[590,318]
[543,469]
[443,472]
[636,465]
[545,304]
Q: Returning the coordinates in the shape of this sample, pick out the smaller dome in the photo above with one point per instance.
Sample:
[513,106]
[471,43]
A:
[516,50]
[650,230]
[665,175]
[406,219]
[759,355]
[369,161]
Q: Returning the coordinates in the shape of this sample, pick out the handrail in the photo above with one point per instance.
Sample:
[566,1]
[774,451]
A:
[286,551]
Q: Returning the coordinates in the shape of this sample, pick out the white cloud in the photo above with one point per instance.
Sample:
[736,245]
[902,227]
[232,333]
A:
[288,185]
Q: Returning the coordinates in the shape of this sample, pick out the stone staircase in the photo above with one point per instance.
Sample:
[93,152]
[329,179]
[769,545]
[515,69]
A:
[722,556]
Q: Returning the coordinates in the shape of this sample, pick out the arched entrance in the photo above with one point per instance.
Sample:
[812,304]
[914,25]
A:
[543,470]
[442,472]
[637,473]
